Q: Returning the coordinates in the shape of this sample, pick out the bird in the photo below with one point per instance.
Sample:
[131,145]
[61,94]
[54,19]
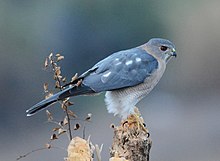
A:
[126,76]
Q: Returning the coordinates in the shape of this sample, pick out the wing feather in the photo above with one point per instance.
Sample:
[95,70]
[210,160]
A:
[119,70]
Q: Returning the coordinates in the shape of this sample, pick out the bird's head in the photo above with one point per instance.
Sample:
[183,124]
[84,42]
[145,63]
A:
[161,48]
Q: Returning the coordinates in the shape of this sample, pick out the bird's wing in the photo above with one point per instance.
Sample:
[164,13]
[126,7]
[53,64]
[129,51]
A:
[122,69]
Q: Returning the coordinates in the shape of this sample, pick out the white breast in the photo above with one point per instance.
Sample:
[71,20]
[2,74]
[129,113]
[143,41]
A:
[122,102]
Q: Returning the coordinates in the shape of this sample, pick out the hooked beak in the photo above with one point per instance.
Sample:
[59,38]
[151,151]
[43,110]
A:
[173,52]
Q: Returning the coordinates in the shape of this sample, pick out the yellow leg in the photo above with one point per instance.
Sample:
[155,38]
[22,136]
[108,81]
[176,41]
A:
[136,120]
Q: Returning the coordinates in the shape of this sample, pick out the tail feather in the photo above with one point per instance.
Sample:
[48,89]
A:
[68,92]
[41,105]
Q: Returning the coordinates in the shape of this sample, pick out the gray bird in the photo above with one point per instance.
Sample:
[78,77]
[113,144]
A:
[127,76]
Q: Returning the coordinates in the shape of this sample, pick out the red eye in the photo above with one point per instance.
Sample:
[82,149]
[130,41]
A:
[163,48]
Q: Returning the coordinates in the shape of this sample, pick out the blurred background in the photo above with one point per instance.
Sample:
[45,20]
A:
[182,112]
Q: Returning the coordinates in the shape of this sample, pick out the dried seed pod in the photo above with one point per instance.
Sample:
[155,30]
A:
[57,55]
[53,137]
[57,71]
[79,83]
[56,129]
[72,114]
[64,80]
[59,77]
[65,121]
[61,131]
[112,126]
[55,64]
[46,63]
[57,84]
[88,118]
[50,57]
[49,115]
[77,126]
[48,146]
[74,77]
[65,101]
[69,103]
[61,123]
[45,87]
[49,95]
[63,106]
[60,58]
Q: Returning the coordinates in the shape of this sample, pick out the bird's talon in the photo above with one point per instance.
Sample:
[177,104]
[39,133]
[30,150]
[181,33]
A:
[125,122]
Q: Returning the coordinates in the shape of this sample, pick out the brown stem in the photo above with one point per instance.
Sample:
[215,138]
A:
[66,107]
[39,149]
[69,125]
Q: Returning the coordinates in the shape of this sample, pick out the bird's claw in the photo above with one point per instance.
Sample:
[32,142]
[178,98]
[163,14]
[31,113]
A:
[135,121]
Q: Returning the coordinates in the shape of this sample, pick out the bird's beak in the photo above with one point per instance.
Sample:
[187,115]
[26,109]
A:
[173,52]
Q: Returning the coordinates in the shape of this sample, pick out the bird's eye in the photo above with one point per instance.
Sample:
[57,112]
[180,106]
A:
[163,48]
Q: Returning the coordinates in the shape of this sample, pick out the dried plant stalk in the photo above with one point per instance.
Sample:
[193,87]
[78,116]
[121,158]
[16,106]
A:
[79,150]
[131,140]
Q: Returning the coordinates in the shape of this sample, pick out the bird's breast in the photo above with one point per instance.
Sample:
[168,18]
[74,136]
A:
[122,101]
[137,92]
